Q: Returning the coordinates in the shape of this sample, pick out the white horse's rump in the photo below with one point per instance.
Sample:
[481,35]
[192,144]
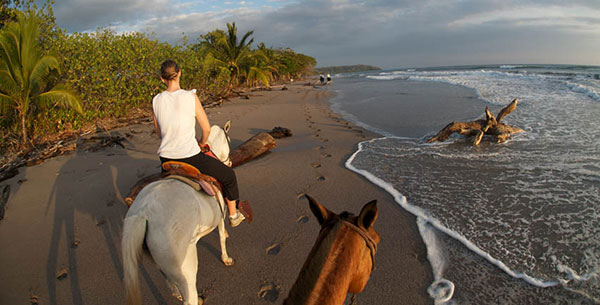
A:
[171,217]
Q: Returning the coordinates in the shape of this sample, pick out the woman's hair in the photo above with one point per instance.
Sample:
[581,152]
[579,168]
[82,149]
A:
[169,70]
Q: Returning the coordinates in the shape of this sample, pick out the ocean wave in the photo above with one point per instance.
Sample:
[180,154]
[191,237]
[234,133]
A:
[509,67]
[417,211]
[589,90]
[441,288]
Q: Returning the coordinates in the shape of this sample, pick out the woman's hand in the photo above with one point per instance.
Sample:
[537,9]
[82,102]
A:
[204,147]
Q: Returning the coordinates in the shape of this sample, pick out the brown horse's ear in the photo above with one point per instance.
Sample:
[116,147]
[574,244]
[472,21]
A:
[321,213]
[227,126]
[368,215]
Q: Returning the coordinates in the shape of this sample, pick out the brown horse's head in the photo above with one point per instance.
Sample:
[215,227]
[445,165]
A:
[341,259]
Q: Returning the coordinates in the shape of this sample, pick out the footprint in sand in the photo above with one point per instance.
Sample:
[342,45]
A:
[315,165]
[269,292]
[320,178]
[325,155]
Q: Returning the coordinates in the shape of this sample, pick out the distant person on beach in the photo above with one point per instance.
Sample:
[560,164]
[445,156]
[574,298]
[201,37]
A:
[175,114]
[328,79]
[322,78]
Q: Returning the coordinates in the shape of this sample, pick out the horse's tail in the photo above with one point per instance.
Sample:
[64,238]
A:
[134,232]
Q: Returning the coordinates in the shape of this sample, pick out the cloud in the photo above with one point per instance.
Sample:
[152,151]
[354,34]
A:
[85,15]
[574,17]
[389,33]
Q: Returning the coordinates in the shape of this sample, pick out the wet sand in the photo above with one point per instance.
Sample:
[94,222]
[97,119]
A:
[60,238]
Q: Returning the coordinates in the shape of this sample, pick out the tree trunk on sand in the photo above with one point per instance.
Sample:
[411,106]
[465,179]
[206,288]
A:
[491,126]
[254,147]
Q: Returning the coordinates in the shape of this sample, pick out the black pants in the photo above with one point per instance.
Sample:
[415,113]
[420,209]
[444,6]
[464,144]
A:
[214,168]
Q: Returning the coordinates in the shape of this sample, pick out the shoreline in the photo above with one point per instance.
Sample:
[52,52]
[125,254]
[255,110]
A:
[66,214]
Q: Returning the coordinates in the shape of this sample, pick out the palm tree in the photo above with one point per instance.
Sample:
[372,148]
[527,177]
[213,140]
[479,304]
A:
[264,65]
[229,52]
[26,74]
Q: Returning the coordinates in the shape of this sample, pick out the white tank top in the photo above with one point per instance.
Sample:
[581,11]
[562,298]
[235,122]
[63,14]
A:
[176,116]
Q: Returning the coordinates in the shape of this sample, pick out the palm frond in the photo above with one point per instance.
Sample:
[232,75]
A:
[40,72]
[60,96]
[10,53]
[259,74]
[7,83]
[6,103]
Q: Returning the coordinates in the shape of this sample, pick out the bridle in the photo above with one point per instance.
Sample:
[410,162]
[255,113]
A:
[369,241]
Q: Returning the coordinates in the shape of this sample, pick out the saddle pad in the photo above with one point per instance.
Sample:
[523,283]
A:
[198,185]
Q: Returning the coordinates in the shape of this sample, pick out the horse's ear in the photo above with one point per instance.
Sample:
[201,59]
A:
[368,215]
[321,213]
[227,126]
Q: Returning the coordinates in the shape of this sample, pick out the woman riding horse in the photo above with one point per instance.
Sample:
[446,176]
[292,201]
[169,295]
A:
[175,114]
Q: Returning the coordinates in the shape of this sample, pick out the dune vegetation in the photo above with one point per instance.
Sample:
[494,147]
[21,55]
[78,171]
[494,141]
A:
[55,84]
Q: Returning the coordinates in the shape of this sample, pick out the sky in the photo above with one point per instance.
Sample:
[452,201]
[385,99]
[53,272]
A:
[385,33]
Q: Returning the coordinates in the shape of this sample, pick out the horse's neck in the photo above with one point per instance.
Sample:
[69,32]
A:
[218,141]
[327,272]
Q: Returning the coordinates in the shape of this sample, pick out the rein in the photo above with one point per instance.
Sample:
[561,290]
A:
[370,243]
[368,240]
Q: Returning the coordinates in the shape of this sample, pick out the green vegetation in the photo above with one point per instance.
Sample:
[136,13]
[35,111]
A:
[27,76]
[114,76]
[345,69]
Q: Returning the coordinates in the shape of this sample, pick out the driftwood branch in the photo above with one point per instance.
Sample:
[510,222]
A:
[280,132]
[491,126]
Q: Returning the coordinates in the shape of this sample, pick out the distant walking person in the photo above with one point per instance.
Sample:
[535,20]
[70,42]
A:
[328,79]
[322,78]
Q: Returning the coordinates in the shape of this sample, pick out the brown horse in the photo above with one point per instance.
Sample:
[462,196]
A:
[341,260]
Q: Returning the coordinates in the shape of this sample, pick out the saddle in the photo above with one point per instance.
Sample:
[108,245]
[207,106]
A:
[180,171]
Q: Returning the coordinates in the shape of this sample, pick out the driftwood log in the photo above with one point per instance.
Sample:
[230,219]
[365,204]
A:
[254,147]
[4,194]
[491,126]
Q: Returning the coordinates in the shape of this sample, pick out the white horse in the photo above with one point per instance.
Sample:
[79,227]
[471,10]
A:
[171,217]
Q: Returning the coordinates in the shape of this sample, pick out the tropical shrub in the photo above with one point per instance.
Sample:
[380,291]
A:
[116,75]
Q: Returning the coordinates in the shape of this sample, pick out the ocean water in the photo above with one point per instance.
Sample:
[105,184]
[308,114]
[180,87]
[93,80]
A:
[510,223]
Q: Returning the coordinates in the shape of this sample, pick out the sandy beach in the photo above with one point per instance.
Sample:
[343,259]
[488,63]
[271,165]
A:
[60,238]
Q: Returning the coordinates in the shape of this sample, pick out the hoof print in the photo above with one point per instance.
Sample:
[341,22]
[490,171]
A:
[269,292]
[34,299]
[303,219]
[62,274]
[273,249]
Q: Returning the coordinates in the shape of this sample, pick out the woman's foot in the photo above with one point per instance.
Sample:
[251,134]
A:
[236,219]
